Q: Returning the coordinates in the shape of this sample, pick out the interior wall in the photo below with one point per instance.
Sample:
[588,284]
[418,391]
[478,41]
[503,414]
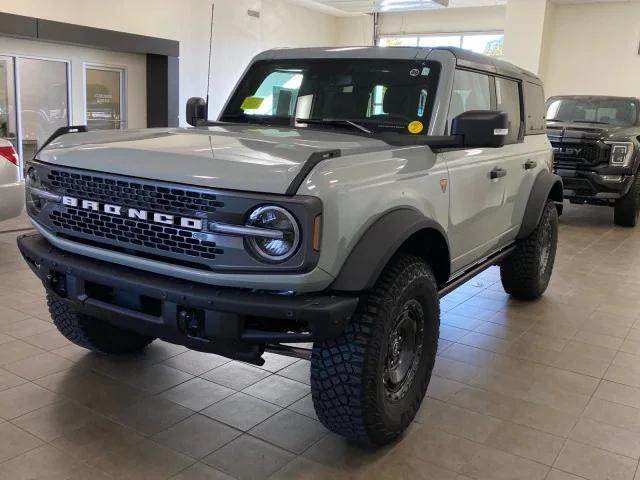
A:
[594,50]
[133,65]
[237,36]
[476,19]
[356,31]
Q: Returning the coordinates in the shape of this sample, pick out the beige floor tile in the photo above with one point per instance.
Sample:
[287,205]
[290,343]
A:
[526,442]
[154,379]
[594,463]
[241,411]
[42,463]
[608,437]
[618,393]
[454,370]
[290,430]
[492,464]
[197,394]
[27,328]
[24,398]
[49,340]
[485,342]
[15,441]
[485,402]
[39,366]
[459,421]
[460,322]
[545,418]
[407,468]
[616,414]
[274,362]
[196,436]
[152,415]
[200,471]
[196,363]
[299,371]
[17,350]
[236,375]
[560,475]
[9,380]
[442,388]
[53,421]
[278,390]
[248,458]
[305,407]
[304,469]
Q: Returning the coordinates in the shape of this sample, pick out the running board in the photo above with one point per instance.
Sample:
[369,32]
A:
[288,351]
[475,269]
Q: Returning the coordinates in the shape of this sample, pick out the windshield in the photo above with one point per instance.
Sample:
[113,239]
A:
[379,95]
[610,111]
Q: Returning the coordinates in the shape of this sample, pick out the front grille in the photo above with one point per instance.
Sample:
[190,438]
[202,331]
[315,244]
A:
[137,194]
[134,233]
[576,155]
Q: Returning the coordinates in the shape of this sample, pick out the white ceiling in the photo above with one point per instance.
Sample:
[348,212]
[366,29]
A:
[356,7]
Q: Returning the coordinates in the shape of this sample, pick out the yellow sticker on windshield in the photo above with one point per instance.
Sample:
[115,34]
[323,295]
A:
[252,103]
[415,127]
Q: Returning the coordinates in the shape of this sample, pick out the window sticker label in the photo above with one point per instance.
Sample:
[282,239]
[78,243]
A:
[414,72]
[415,127]
[252,103]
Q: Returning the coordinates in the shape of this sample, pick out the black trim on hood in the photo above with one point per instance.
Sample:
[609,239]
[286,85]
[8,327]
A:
[314,159]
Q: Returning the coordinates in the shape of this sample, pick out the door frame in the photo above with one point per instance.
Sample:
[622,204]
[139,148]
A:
[18,98]
[122,70]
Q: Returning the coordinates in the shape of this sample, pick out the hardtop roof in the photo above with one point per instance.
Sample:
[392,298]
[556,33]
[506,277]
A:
[464,58]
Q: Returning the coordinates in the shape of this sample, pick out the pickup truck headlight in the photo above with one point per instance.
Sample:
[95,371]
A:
[621,153]
[274,218]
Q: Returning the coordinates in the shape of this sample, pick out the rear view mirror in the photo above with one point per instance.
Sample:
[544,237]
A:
[481,128]
[196,111]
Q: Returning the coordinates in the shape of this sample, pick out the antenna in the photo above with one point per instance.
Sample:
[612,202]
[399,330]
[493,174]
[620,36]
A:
[210,49]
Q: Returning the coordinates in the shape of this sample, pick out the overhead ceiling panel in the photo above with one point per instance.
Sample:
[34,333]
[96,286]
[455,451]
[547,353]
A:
[370,6]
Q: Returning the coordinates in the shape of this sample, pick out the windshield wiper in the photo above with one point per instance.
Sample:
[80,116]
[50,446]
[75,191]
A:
[590,121]
[334,122]
[247,118]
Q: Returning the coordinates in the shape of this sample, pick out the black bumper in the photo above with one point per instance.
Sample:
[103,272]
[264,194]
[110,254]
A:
[228,321]
[589,184]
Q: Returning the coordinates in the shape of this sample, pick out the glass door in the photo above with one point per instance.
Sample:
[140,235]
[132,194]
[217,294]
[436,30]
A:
[104,98]
[43,92]
[8,117]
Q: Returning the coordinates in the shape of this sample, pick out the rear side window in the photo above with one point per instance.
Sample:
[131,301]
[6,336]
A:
[535,109]
[508,101]
[471,91]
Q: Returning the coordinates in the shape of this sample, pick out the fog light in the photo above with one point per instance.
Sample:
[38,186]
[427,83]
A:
[612,178]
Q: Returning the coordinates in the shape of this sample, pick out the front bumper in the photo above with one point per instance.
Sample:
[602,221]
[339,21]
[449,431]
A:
[589,184]
[233,322]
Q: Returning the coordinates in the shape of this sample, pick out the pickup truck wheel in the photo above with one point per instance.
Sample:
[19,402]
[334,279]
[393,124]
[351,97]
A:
[526,272]
[627,209]
[92,333]
[368,384]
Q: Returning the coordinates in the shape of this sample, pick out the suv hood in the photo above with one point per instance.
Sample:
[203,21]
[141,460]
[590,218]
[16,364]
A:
[233,157]
[592,131]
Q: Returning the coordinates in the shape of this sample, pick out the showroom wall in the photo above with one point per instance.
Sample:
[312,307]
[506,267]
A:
[594,49]
[237,35]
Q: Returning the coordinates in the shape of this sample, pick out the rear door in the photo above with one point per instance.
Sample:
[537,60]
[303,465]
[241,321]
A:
[477,177]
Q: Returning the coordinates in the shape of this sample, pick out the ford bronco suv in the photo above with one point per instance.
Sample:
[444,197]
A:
[596,143]
[340,193]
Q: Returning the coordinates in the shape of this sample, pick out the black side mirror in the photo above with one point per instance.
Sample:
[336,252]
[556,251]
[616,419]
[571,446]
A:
[481,128]
[196,111]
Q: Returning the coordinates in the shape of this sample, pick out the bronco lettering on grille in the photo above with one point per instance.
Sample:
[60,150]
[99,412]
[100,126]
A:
[133,213]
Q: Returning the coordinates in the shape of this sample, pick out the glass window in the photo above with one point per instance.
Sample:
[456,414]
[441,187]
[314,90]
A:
[8,124]
[104,102]
[471,91]
[44,89]
[379,94]
[491,45]
[508,101]
[398,42]
[611,111]
[440,41]
[535,109]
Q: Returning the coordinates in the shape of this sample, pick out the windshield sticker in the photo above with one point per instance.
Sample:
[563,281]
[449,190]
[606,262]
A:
[426,71]
[348,89]
[252,103]
[415,127]
[414,72]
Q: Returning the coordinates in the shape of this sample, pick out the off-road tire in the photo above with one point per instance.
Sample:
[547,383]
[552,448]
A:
[526,272]
[92,333]
[349,394]
[627,208]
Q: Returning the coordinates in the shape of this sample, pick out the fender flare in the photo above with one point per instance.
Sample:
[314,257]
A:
[379,243]
[546,185]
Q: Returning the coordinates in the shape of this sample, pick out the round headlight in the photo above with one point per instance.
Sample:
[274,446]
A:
[278,219]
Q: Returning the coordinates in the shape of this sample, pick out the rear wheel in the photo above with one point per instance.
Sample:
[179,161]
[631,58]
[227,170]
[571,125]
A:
[368,384]
[92,333]
[627,208]
[527,271]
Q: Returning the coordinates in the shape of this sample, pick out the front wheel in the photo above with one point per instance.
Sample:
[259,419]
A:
[368,384]
[527,271]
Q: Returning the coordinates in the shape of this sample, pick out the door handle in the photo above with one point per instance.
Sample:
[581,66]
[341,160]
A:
[498,173]
[530,164]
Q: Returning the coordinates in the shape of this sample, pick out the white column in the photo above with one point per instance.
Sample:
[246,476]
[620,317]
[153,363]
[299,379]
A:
[524,33]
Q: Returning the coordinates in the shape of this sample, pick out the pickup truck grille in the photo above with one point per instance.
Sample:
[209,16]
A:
[572,155]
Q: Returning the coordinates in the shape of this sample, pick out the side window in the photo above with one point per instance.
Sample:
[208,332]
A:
[471,91]
[508,101]
[534,107]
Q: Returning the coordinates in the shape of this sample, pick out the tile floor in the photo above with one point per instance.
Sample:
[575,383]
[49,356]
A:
[545,390]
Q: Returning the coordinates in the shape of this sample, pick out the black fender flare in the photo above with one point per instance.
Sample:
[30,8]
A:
[546,185]
[379,243]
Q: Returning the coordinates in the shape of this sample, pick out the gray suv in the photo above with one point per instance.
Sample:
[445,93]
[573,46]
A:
[340,194]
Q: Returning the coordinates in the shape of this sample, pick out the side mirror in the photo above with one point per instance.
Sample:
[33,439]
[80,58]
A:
[196,111]
[481,128]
